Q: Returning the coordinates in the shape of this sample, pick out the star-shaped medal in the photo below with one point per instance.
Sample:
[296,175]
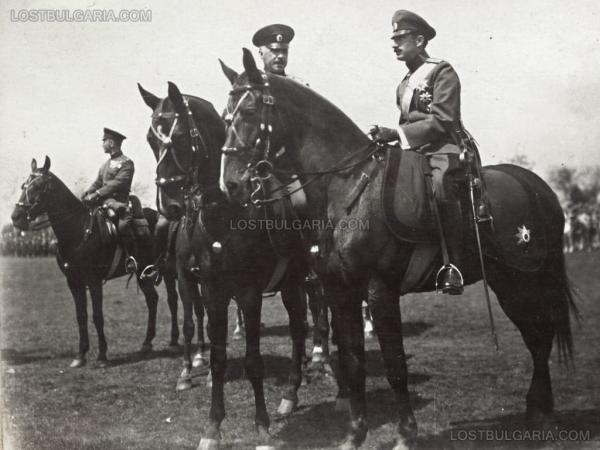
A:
[523,235]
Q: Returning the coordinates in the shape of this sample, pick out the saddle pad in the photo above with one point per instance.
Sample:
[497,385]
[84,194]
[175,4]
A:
[107,230]
[405,199]
[518,238]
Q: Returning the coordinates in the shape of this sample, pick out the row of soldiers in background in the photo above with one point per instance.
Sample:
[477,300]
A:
[27,243]
[582,227]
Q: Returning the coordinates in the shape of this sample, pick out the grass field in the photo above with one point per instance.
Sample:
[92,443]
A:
[458,383]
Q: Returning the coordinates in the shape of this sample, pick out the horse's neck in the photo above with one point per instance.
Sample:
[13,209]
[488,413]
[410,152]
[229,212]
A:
[213,134]
[67,215]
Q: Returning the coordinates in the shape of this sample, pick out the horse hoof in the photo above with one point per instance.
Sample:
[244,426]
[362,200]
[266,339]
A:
[286,407]
[208,444]
[342,404]
[401,444]
[265,447]
[146,348]
[238,335]
[184,384]
[199,360]
[102,363]
[77,362]
[347,445]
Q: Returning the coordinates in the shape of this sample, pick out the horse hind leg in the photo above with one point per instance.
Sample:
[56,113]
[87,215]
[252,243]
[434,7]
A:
[539,305]
[199,360]
[147,287]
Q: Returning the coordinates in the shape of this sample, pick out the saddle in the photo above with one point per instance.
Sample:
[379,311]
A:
[107,220]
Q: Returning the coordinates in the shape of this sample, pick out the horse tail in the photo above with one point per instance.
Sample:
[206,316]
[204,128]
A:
[563,308]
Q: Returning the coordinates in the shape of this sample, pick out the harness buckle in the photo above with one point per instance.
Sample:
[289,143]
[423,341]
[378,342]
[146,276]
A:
[268,99]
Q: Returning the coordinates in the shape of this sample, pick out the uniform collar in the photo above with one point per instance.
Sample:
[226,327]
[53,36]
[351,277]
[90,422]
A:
[417,62]
[116,154]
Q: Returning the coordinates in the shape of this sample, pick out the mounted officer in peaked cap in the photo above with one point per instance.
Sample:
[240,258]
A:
[111,189]
[429,101]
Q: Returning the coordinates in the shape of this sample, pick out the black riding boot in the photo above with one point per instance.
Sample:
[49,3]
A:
[129,244]
[452,223]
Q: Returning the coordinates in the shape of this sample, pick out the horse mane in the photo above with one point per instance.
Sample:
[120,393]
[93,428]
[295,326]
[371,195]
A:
[70,201]
[323,117]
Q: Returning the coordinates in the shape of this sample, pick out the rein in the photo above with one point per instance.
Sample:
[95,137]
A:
[263,169]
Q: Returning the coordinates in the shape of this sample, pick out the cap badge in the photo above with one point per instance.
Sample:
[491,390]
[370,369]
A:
[279,38]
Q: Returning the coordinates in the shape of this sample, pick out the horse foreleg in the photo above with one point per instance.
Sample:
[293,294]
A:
[188,289]
[199,360]
[251,304]
[351,345]
[149,291]
[172,299]
[80,299]
[98,318]
[217,308]
[385,310]
[295,304]
[238,332]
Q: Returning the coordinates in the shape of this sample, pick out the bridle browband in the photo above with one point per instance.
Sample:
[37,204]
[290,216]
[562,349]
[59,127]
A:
[27,205]
[264,168]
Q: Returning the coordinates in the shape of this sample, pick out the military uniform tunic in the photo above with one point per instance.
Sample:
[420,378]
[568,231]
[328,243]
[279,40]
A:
[429,101]
[114,179]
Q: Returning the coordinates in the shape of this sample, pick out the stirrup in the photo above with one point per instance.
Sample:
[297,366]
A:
[449,289]
[150,272]
[131,265]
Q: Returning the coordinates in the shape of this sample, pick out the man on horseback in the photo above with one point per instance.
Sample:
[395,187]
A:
[273,42]
[111,189]
[429,101]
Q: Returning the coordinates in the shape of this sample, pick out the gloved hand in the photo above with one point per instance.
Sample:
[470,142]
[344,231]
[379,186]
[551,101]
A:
[92,197]
[383,134]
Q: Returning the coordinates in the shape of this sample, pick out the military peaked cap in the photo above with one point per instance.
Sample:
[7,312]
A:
[274,36]
[405,22]
[112,134]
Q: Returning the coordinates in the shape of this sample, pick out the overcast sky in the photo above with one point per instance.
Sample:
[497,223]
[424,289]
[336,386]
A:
[528,69]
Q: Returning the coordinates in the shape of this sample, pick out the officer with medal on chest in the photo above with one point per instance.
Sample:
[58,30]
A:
[429,102]
[111,189]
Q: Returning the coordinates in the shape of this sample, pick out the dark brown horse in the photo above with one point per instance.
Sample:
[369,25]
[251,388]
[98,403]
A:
[186,135]
[277,127]
[83,258]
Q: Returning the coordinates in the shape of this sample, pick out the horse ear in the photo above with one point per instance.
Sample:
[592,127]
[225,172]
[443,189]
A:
[175,95]
[46,167]
[33,165]
[252,71]
[229,73]
[149,98]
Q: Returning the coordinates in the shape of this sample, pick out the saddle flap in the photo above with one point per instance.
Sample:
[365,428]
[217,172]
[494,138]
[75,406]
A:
[106,228]
[405,197]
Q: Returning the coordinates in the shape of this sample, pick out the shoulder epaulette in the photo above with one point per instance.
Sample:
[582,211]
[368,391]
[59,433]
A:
[434,60]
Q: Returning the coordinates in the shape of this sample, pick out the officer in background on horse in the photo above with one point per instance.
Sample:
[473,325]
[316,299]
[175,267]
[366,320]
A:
[111,190]
[273,42]
[429,101]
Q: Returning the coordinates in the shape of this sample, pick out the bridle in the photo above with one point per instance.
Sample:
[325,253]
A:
[263,168]
[27,205]
[166,145]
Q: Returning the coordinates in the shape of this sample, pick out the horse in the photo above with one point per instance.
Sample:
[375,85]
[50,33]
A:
[277,127]
[186,135]
[84,259]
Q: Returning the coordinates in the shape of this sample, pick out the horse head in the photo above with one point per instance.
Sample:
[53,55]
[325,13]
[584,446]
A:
[34,197]
[277,126]
[185,134]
